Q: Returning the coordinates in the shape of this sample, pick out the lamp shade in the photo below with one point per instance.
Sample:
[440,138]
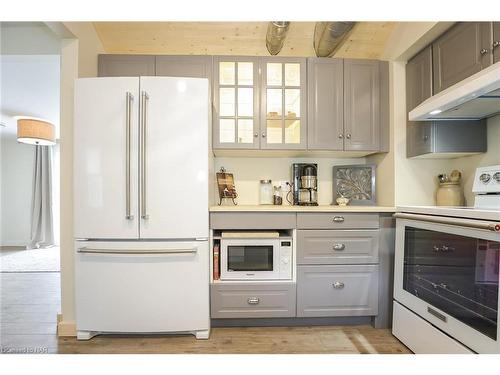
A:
[35,132]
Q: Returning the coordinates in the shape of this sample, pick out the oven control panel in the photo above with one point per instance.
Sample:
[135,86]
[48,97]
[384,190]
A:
[487,180]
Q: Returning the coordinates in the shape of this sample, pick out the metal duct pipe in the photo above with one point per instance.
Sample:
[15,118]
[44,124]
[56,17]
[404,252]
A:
[329,35]
[275,37]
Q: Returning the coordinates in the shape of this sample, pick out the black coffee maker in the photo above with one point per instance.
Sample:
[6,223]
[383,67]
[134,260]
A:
[305,184]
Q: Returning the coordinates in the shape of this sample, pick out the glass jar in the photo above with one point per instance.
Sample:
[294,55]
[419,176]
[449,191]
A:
[266,192]
[277,196]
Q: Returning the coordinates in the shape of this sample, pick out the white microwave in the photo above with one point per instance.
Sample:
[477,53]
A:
[256,259]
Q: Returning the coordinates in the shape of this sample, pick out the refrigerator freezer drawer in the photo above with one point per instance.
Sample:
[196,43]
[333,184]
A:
[142,286]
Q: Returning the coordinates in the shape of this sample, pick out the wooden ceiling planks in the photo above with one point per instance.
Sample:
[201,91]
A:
[367,39]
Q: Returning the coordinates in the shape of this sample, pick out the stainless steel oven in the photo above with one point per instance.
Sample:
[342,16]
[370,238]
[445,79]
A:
[447,272]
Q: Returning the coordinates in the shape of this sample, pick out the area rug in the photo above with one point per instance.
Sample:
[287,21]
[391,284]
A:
[33,260]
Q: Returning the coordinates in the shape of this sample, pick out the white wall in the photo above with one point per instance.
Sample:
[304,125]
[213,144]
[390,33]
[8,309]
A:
[249,171]
[29,86]
[17,180]
[27,38]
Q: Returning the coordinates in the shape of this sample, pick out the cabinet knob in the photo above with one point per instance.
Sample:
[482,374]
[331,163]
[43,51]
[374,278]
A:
[341,136]
[348,136]
[253,301]
[338,285]
[263,135]
[483,51]
[256,135]
[338,219]
[496,43]
[338,246]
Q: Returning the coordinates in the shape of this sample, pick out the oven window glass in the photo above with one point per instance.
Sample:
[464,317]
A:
[456,274]
[250,258]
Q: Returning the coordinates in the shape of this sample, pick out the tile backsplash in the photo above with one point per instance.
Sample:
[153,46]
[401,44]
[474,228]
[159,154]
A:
[249,171]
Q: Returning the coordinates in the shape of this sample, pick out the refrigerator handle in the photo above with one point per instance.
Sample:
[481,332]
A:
[94,250]
[144,122]
[128,115]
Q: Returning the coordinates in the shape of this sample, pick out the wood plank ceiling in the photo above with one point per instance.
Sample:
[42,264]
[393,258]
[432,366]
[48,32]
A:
[367,39]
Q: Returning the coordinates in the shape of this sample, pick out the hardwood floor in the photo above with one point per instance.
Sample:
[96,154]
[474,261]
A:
[31,301]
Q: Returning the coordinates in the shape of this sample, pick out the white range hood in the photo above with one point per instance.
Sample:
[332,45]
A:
[474,98]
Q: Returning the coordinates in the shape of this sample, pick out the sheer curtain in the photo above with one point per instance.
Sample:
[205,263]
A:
[42,228]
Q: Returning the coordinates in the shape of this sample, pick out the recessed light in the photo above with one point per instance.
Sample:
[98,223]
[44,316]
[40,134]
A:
[435,112]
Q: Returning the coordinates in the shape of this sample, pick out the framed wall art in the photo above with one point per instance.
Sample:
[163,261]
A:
[355,182]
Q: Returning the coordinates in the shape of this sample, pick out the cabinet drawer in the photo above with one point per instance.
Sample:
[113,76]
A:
[337,291]
[337,221]
[252,220]
[253,301]
[337,246]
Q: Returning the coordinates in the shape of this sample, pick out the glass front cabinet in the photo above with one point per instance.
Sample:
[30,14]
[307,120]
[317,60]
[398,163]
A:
[259,103]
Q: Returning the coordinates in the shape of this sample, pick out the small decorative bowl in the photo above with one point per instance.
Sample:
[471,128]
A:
[342,201]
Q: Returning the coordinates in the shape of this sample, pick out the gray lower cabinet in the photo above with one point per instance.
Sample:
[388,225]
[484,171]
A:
[460,52]
[184,66]
[337,220]
[331,291]
[126,65]
[325,125]
[496,42]
[253,300]
[337,246]
[253,220]
[361,105]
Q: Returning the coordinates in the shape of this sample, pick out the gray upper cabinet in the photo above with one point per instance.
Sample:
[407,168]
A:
[460,52]
[126,65]
[418,89]
[184,66]
[283,105]
[496,42]
[433,138]
[236,102]
[325,125]
[361,105]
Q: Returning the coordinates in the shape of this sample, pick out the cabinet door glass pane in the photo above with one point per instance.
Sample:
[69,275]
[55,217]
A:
[227,130]
[274,74]
[456,274]
[245,102]
[226,99]
[292,74]
[274,103]
[245,73]
[274,131]
[292,103]
[226,73]
[292,131]
[245,130]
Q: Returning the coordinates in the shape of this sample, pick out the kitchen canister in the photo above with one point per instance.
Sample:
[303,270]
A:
[450,194]
[266,192]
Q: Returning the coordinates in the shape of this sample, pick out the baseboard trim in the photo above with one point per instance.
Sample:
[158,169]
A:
[289,322]
[65,329]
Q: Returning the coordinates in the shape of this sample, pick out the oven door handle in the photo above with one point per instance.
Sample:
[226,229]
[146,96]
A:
[477,224]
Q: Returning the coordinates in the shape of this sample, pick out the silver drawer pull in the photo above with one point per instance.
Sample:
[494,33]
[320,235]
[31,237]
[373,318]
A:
[338,246]
[338,285]
[338,219]
[436,314]
[253,301]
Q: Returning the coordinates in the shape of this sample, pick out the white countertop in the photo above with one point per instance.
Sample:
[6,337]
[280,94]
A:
[461,212]
[288,208]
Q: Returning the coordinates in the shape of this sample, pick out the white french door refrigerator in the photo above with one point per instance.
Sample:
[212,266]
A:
[141,205]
